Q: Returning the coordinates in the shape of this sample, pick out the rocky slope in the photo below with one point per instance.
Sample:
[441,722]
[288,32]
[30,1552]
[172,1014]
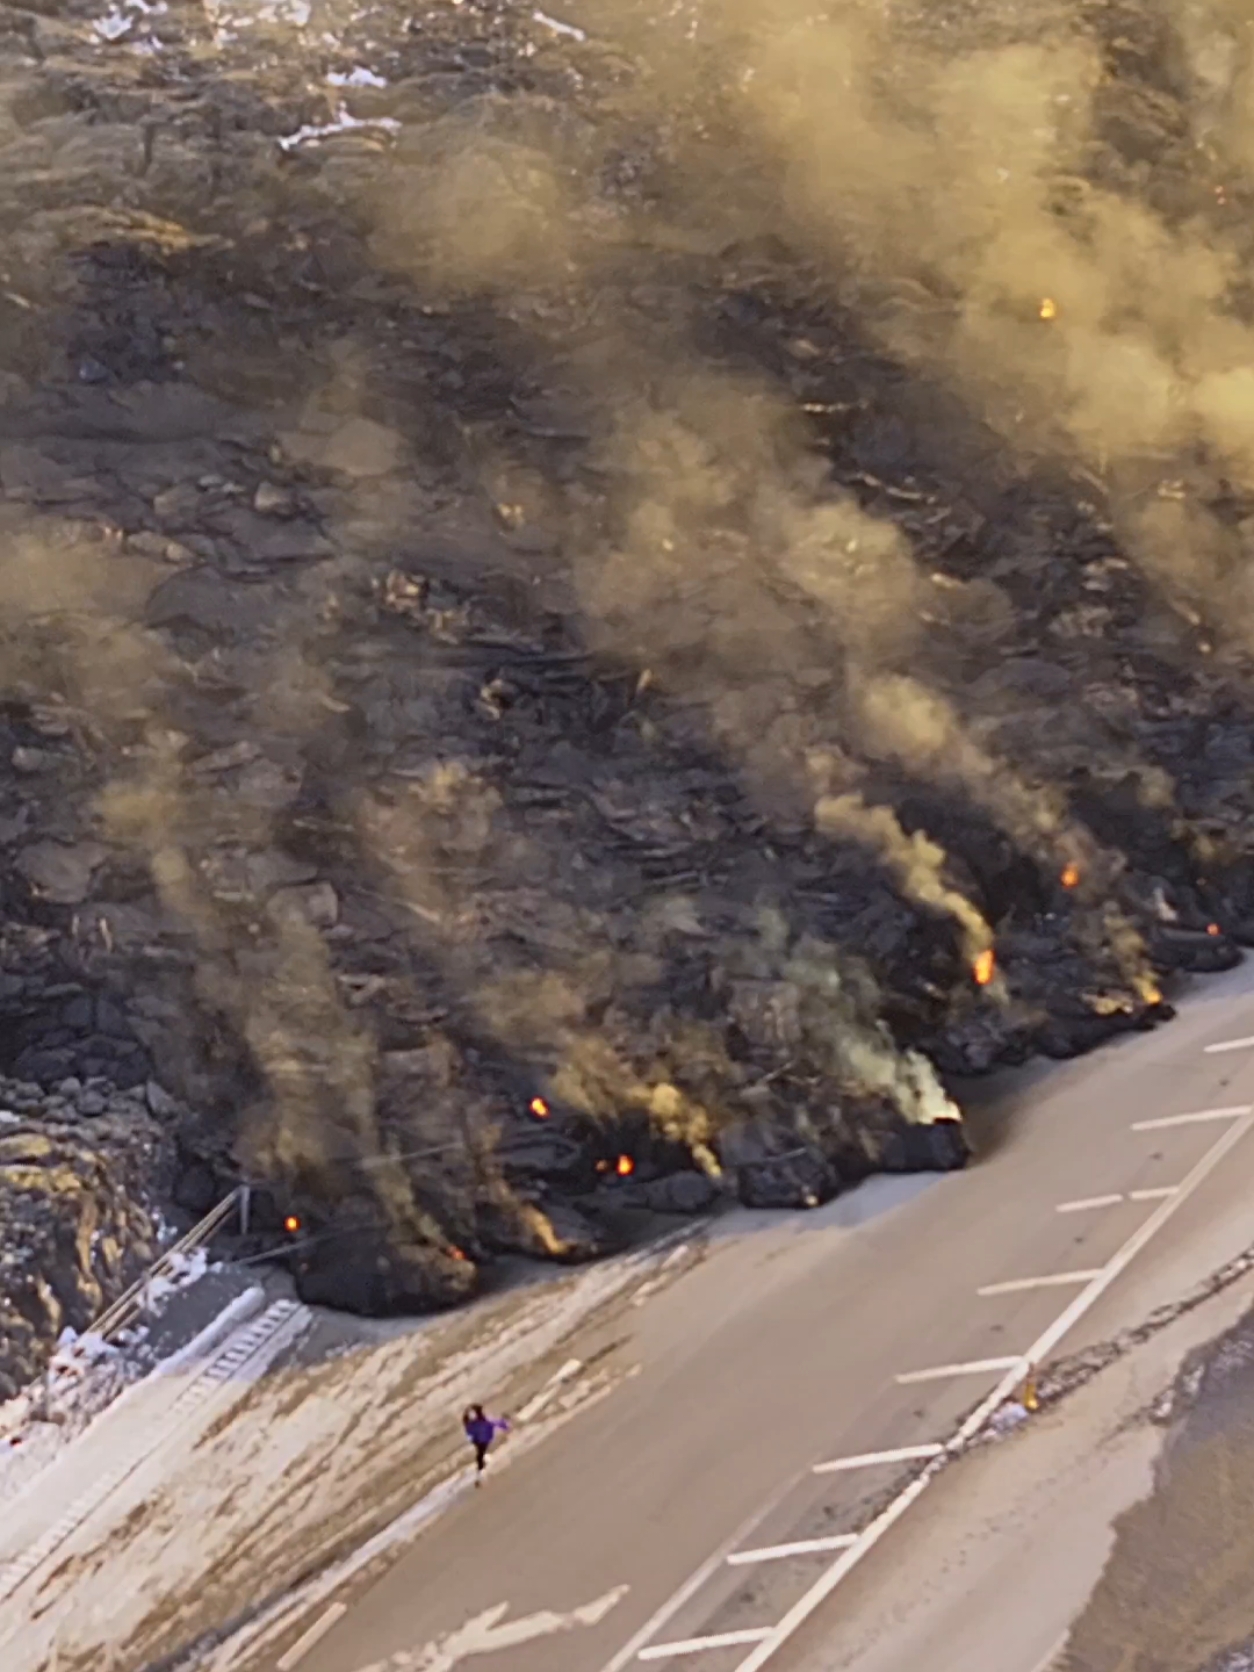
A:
[82,1169]
[538,670]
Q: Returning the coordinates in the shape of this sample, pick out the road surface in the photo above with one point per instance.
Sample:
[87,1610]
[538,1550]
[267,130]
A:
[1113,1183]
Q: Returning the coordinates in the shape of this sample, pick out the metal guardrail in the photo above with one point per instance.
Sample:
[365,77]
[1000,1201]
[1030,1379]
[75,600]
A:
[129,1305]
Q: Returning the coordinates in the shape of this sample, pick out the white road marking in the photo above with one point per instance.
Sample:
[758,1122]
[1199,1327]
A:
[1087,1202]
[697,1645]
[489,1631]
[799,1547]
[315,1634]
[1196,1119]
[1155,1194]
[663,1615]
[845,1563]
[1045,1664]
[1056,1280]
[974,1367]
[1229,1045]
[869,1459]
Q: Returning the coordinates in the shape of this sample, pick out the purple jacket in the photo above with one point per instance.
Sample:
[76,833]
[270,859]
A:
[481,1431]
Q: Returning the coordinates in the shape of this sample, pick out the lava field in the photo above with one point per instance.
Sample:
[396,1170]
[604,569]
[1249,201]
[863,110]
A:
[599,610]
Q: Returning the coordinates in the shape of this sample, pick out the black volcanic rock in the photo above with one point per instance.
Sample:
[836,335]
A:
[419,682]
[379,1276]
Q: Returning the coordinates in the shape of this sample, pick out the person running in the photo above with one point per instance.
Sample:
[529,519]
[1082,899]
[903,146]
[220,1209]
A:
[481,1430]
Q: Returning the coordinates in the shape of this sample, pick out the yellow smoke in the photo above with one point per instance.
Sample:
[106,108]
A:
[915,860]
[907,722]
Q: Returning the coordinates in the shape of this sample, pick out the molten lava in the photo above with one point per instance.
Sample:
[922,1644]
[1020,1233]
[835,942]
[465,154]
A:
[624,1166]
[984,967]
[291,1224]
[1070,875]
[539,1108]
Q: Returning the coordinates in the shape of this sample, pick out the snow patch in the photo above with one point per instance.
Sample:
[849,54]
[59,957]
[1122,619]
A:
[343,122]
[560,28]
[358,77]
[119,20]
[87,1375]
[178,1272]
[227,17]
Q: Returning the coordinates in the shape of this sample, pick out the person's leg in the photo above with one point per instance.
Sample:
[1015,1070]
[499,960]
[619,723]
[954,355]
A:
[481,1459]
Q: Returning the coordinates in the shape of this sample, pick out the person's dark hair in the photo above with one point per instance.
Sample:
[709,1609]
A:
[473,1413]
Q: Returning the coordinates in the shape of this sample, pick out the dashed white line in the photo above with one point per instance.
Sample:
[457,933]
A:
[1197,1118]
[871,1535]
[1056,1280]
[974,1367]
[1154,1193]
[698,1645]
[1086,1202]
[1229,1045]
[661,1617]
[307,1639]
[799,1547]
[869,1459]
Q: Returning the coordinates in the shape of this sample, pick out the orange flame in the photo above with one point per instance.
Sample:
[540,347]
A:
[983,967]
[1213,929]
[539,1108]
[455,1252]
[624,1166]
[291,1223]
[1070,875]
[1048,308]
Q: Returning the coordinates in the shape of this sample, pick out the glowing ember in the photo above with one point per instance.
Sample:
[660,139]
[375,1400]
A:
[624,1166]
[1153,996]
[983,967]
[539,1108]
[455,1253]
[1213,929]
[1070,875]
[291,1224]
[1048,308]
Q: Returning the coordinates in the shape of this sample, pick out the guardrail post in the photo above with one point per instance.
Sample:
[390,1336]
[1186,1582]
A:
[45,1394]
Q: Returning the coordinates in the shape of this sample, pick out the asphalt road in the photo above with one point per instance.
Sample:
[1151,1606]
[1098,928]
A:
[788,1348]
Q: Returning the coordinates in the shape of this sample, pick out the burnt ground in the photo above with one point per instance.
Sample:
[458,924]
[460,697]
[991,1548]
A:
[525,686]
